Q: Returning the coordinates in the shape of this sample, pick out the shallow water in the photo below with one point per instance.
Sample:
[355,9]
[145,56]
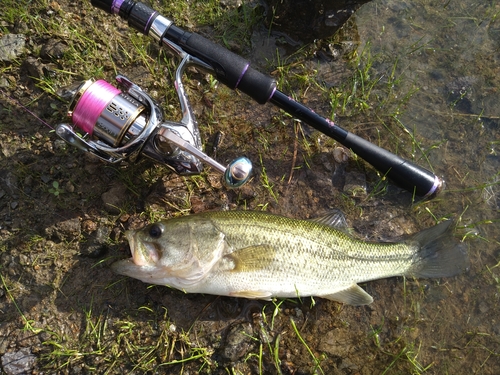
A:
[450,52]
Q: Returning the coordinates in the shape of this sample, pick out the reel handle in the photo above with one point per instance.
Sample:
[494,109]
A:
[236,174]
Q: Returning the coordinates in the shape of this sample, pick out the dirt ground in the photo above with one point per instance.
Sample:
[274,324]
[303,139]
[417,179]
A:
[63,214]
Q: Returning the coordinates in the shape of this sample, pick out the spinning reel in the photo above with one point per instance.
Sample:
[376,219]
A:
[116,125]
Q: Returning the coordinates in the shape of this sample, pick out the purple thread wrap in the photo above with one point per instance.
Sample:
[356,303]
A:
[150,20]
[272,93]
[437,184]
[241,76]
[115,7]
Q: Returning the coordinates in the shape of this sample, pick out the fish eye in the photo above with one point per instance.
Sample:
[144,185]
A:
[155,231]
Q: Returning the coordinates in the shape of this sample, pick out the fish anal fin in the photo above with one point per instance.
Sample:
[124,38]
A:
[252,258]
[251,294]
[354,295]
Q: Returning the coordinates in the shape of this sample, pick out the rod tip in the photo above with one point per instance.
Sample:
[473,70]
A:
[439,185]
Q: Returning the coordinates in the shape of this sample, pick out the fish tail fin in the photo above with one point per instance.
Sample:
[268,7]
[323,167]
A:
[440,255]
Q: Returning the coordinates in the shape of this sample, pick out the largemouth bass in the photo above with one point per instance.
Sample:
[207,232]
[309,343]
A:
[260,255]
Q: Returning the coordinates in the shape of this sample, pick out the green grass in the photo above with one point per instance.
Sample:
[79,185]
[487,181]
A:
[107,344]
[315,360]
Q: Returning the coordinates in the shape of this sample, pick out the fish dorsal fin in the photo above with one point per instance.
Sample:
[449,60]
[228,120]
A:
[334,219]
[354,295]
[252,258]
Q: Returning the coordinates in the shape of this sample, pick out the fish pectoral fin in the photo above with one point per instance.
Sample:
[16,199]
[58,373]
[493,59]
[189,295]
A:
[252,258]
[251,294]
[354,295]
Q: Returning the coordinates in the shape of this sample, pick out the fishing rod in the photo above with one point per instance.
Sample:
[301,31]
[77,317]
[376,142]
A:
[236,73]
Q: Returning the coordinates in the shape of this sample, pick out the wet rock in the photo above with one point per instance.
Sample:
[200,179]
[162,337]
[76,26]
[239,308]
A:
[114,198]
[11,46]
[355,184]
[335,163]
[338,176]
[341,154]
[460,93]
[65,230]
[307,20]
[325,160]
[238,341]
[17,363]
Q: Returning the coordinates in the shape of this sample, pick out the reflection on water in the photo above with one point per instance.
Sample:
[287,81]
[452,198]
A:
[450,52]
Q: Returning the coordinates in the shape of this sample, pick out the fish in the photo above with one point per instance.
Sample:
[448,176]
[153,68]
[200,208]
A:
[259,255]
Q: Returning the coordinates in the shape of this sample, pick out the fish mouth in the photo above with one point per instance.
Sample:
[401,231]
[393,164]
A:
[143,253]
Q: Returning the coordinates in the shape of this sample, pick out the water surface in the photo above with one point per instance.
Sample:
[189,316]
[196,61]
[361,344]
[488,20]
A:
[447,54]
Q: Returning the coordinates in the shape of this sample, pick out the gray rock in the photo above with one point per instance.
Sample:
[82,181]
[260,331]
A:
[231,3]
[65,230]
[34,67]
[54,49]
[238,341]
[9,182]
[114,198]
[18,363]
[11,46]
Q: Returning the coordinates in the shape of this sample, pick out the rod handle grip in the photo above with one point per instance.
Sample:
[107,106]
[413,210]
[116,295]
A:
[229,68]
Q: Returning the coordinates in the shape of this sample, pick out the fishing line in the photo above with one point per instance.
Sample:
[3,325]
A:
[92,102]
[19,104]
